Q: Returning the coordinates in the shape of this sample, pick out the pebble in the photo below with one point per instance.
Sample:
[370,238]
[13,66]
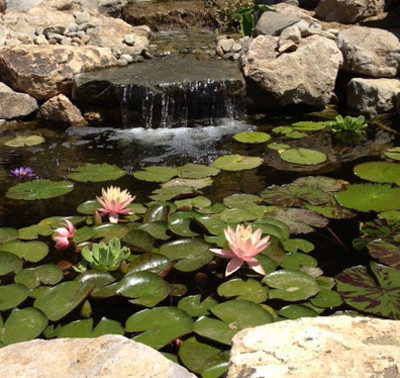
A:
[80,34]
[219,50]
[41,40]
[72,28]
[314,28]
[291,33]
[81,17]
[86,26]
[236,47]
[86,39]
[39,30]
[66,41]
[286,46]
[147,54]
[76,40]
[127,57]
[116,52]
[226,44]
[56,36]
[303,26]
[129,39]
[139,59]
[121,62]
[222,36]
[236,56]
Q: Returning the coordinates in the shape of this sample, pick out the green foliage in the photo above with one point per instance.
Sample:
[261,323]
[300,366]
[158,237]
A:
[249,16]
[349,129]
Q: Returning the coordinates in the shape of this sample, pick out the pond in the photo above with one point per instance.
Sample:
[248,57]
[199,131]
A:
[159,277]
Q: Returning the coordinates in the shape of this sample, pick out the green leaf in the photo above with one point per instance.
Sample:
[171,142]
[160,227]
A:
[369,197]
[157,229]
[379,296]
[32,251]
[194,308]
[84,328]
[188,254]
[252,137]
[179,223]
[12,295]
[212,225]
[295,245]
[385,252]
[23,325]
[327,184]
[88,207]
[145,288]
[291,285]
[274,227]
[8,234]
[156,174]
[58,301]
[303,156]
[215,330]
[310,125]
[250,290]
[326,298]
[83,234]
[393,153]
[160,325]
[170,192]
[194,184]
[39,189]
[241,200]
[198,202]
[278,146]
[9,263]
[197,171]
[22,141]
[152,262]
[47,274]
[237,162]
[96,173]
[296,311]
[33,232]
[107,231]
[379,171]
[139,240]
[296,261]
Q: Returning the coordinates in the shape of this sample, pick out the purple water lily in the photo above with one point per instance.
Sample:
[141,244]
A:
[22,172]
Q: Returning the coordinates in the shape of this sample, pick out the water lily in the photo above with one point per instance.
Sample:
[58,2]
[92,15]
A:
[244,245]
[22,172]
[115,202]
[64,235]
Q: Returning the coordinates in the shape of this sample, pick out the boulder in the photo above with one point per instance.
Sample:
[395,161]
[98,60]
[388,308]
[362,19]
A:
[373,96]
[14,104]
[305,76]
[108,356]
[46,71]
[335,346]
[20,5]
[348,11]
[272,23]
[369,51]
[61,109]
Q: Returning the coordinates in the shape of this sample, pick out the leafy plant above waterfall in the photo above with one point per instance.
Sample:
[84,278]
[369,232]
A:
[248,17]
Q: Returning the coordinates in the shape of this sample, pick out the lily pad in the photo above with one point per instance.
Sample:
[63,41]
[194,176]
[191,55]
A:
[303,156]
[240,215]
[22,325]
[156,174]
[22,141]
[250,290]
[393,153]
[194,307]
[197,171]
[32,251]
[39,189]
[282,129]
[88,207]
[214,329]
[379,171]
[278,146]
[152,262]
[241,200]
[9,263]
[252,137]
[296,261]
[96,173]
[327,299]
[47,274]
[145,288]
[212,225]
[327,184]
[274,227]
[58,301]
[331,210]
[385,252]
[295,245]
[198,202]
[139,240]
[160,325]
[310,125]
[195,184]
[84,328]
[237,162]
[291,285]
[83,234]
[369,197]
[296,311]
[33,232]
[173,192]
[295,135]
[12,295]
[107,231]
[8,234]
[157,229]
[188,254]
[378,295]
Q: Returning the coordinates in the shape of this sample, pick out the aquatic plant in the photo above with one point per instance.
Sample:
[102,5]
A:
[349,129]
[22,172]
[114,202]
[244,245]
[64,235]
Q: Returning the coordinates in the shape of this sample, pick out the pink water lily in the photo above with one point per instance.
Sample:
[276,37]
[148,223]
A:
[64,235]
[244,245]
[114,202]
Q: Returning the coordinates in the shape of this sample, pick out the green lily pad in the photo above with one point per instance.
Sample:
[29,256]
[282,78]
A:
[47,274]
[88,207]
[8,234]
[188,254]
[296,261]
[240,215]
[96,279]
[213,209]
[156,213]
[385,252]
[326,298]
[83,234]
[199,357]
[369,197]
[178,290]
[378,295]
[107,231]
[96,173]
[179,223]
[310,125]
[9,263]
[296,311]
[33,232]
[160,325]
[198,202]
[197,171]
[84,328]
[273,227]
[172,192]
[379,171]
[327,184]
[22,141]
[157,229]
[291,285]
[295,245]
[278,146]
[12,295]
[156,174]
[194,307]
[250,290]
[145,288]
[212,225]
[237,162]
[214,329]
[32,251]
[22,325]
[59,221]
[295,135]
[241,200]
[393,215]
[195,184]
[58,301]
[393,153]
[152,262]
[139,240]
[331,210]
[282,129]
[303,156]
[252,137]
[39,189]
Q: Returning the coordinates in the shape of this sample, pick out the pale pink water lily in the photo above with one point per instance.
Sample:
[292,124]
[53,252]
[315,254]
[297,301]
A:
[244,245]
[64,235]
[114,202]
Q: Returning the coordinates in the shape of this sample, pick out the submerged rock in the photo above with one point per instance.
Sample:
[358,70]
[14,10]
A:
[370,51]
[335,346]
[373,96]
[14,104]
[305,76]
[108,356]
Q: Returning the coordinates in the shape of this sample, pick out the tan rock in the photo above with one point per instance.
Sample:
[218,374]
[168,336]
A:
[108,356]
[46,71]
[336,346]
[14,104]
[61,109]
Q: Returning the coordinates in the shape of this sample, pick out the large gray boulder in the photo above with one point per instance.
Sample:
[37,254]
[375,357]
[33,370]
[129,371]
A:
[373,96]
[335,346]
[272,23]
[14,104]
[108,356]
[348,11]
[305,76]
[369,51]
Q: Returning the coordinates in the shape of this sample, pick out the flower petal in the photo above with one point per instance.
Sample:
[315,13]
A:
[233,265]
[222,253]
[256,267]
